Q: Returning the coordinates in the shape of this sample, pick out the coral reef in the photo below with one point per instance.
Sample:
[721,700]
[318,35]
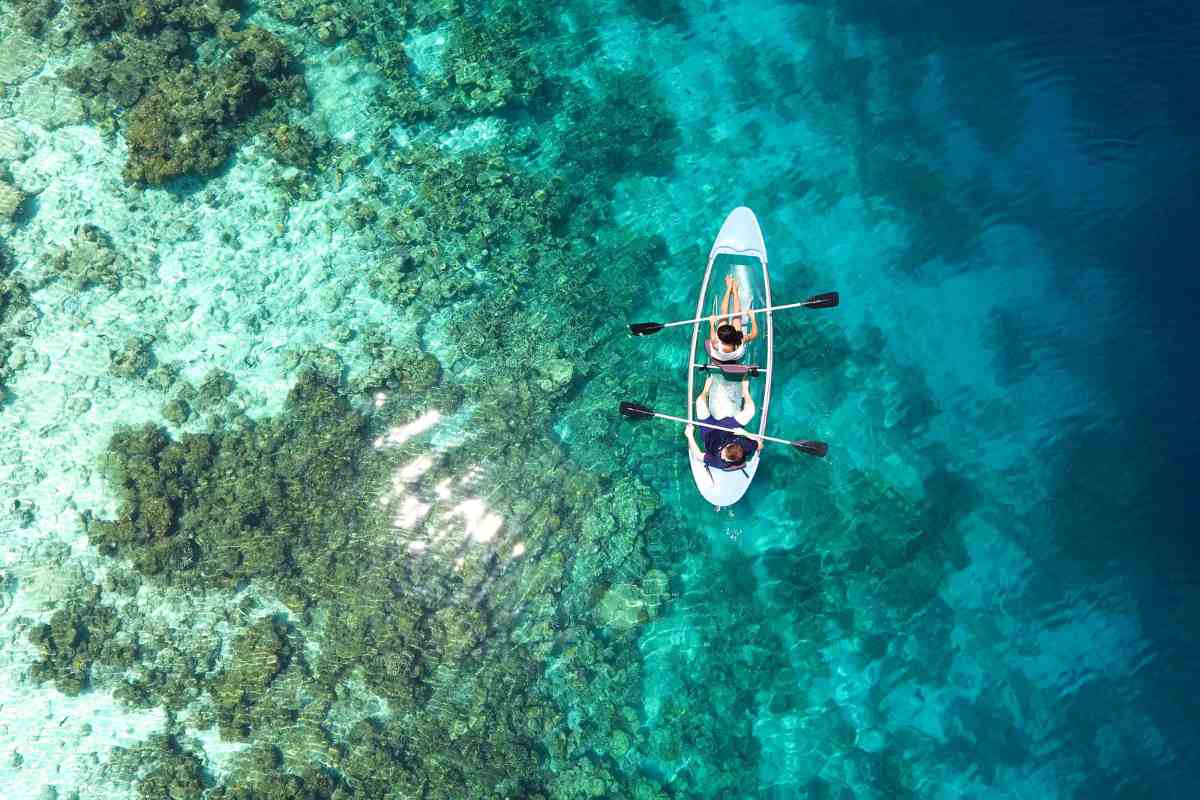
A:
[176,411]
[133,359]
[293,145]
[82,631]
[626,128]
[216,386]
[486,64]
[161,767]
[11,199]
[259,654]
[189,121]
[119,72]
[479,643]
[89,259]
[185,83]
[16,309]
[284,502]
[33,15]
[396,369]
[98,19]
[14,146]
[224,506]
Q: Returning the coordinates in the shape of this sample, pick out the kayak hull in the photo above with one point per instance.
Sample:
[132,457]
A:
[738,250]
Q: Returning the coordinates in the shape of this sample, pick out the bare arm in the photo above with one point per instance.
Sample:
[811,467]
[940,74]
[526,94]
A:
[753,329]
[693,448]
[730,291]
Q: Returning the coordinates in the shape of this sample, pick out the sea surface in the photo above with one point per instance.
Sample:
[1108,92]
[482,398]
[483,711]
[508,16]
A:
[313,331]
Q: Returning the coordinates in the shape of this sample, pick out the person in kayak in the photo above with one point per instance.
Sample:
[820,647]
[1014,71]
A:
[732,447]
[726,342]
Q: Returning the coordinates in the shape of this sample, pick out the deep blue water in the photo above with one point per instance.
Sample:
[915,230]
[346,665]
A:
[1037,314]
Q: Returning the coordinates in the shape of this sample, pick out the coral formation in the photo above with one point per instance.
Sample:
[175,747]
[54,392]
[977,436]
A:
[486,65]
[11,199]
[82,631]
[185,82]
[395,369]
[33,15]
[216,386]
[161,767]
[133,359]
[224,505]
[281,502]
[627,128]
[479,642]
[176,411]
[293,145]
[13,143]
[119,72]
[100,18]
[89,259]
[188,122]
[259,654]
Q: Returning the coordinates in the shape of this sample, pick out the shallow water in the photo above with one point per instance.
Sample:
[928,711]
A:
[390,537]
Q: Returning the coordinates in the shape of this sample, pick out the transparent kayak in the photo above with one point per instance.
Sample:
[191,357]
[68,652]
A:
[739,251]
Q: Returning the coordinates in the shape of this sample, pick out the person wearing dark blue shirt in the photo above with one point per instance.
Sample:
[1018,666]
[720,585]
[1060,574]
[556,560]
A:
[732,446]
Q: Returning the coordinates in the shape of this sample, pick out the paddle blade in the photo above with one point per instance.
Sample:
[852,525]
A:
[826,300]
[635,411]
[818,449]
[645,328]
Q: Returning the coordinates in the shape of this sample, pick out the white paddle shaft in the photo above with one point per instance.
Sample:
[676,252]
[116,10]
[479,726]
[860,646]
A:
[738,314]
[718,428]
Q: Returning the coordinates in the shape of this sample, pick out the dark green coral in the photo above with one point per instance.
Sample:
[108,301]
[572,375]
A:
[259,654]
[190,121]
[82,631]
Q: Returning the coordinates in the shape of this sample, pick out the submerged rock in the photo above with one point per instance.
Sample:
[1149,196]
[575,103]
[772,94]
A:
[89,259]
[622,607]
[11,199]
[20,58]
[13,144]
[133,359]
[46,102]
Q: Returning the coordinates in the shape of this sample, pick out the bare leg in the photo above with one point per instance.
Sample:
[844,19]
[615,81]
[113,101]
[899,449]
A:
[737,307]
[730,290]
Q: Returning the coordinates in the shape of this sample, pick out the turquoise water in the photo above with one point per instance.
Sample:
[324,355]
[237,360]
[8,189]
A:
[313,332]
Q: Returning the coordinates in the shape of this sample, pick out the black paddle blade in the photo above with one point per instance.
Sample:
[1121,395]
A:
[645,328]
[635,411]
[818,449]
[826,300]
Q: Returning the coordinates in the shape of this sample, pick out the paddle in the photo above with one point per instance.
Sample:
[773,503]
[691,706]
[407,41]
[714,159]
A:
[636,411]
[825,300]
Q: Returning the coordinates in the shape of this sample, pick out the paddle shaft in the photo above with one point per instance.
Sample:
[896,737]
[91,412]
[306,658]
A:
[738,314]
[718,427]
